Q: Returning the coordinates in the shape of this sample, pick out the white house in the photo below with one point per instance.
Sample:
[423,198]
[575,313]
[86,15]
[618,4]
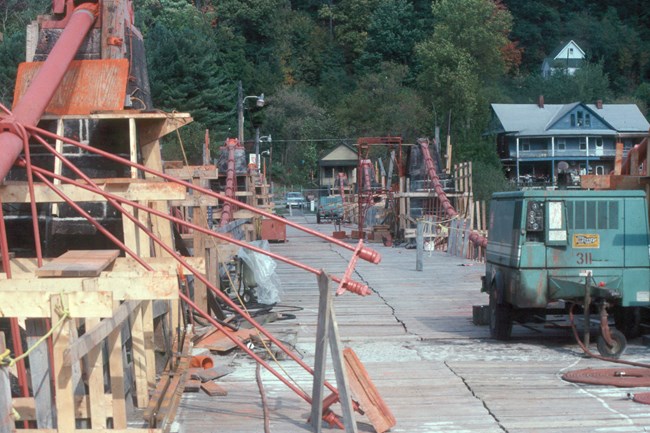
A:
[567,58]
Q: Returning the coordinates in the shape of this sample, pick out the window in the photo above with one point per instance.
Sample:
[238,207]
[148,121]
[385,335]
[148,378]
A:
[600,170]
[525,144]
[560,144]
[588,120]
[580,121]
[583,144]
[598,142]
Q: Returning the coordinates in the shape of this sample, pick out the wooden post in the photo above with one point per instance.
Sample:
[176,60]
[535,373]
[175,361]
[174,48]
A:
[39,369]
[327,330]
[7,423]
[117,377]
[64,383]
[139,358]
[618,159]
[419,241]
[96,393]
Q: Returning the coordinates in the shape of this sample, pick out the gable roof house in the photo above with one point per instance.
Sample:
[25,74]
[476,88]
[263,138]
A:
[341,159]
[532,139]
[566,58]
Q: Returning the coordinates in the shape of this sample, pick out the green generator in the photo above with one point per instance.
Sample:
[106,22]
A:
[588,248]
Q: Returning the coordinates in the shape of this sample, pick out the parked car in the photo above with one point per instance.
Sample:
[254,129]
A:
[295,199]
[329,208]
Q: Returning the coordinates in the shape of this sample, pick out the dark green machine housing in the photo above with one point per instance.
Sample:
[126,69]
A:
[547,246]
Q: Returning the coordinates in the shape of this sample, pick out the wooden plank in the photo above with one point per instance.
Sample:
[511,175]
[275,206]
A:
[194,171]
[96,334]
[139,358]
[214,389]
[78,263]
[364,390]
[18,192]
[154,285]
[35,303]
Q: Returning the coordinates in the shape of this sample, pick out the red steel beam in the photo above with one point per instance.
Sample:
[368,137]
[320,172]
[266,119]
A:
[32,105]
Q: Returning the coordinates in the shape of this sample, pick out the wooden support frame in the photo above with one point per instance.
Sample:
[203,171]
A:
[327,334]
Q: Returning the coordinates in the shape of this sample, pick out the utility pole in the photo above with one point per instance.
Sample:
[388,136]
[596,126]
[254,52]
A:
[240,113]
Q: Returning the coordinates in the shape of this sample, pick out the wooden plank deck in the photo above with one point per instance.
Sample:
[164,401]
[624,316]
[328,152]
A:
[435,370]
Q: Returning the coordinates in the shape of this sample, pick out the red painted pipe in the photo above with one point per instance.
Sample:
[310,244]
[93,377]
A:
[474,237]
[32,105]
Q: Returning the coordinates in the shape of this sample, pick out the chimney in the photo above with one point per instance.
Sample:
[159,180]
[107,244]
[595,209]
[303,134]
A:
[599,104]
[540,101]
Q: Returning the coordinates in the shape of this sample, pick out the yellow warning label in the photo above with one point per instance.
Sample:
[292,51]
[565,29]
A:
[586,241]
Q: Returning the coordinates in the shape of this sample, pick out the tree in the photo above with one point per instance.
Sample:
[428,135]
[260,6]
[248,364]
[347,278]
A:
[350,20]
[12,52]
[588,84]
[293,119]
[185,76]
[392,34]
[383,106]
[457,67]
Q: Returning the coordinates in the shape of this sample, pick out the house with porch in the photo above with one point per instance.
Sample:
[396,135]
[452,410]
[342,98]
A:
[342,159]
[567,58]
[532,139]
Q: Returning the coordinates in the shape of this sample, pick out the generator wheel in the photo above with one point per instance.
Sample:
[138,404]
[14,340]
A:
[617,349]
[500,317]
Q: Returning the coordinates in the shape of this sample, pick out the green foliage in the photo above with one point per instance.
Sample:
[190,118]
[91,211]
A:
[392,34]
[588,84]
[350,19]
[295,118]
[488,179]
[12,52]
[457,67]
[185,76]
[16,14]
[383,106]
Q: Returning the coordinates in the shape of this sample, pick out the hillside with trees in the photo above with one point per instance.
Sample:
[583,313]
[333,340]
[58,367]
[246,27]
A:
[334,70]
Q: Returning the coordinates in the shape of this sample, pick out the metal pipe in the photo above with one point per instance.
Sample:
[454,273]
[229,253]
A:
[33,103]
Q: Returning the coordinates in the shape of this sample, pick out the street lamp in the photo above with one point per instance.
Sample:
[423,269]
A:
[269,152]
[240,110]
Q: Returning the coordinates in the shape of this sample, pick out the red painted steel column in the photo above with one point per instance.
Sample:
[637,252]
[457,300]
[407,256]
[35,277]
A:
[227,210]
[32,105]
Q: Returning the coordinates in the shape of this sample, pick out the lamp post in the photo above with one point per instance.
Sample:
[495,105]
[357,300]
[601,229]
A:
[240,110]
[269,152]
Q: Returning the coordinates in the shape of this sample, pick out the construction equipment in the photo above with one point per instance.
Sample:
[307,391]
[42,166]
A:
[588,248]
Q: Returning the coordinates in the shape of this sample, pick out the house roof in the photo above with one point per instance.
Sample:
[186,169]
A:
[556,52]
[342,154]
[531,120]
